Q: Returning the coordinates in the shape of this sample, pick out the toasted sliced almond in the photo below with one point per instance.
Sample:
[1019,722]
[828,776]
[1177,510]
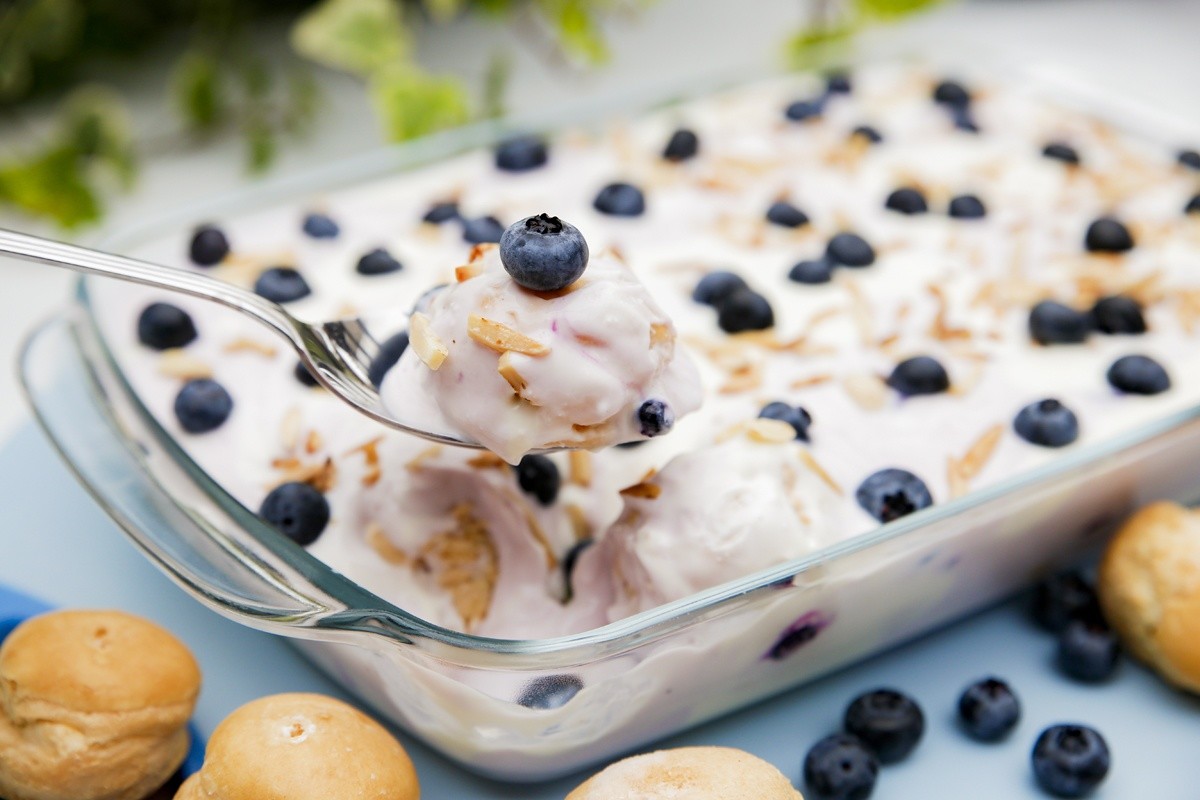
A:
[417,462]
[466,272]
[580,462]
[646,491]
[811,462]
[508,371]
[312,443]
[479,251]
[579,522]
[661,333]
[383,546]
[811,380]
[501,338]
[486,460]
[245,345]
[177,363]
[976,458]
[744,378]
[770,431]
[867,390]
[425,343]
[321,475]
[369,449]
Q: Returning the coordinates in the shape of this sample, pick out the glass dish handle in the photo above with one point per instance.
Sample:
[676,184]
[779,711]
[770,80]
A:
[71,405]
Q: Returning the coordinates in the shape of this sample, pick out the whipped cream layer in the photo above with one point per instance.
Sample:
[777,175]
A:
[517,370]
[455,537]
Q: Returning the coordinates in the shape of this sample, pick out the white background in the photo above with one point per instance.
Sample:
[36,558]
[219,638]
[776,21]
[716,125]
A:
[1141,49]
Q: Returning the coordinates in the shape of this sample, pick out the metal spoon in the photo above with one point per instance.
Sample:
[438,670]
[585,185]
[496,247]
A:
[338,353]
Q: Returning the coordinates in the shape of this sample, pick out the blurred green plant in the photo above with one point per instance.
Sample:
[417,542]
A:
[831,24]
[222,80]
[219,81]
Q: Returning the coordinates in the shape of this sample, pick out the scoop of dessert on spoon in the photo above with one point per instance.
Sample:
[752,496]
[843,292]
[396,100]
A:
[546,259]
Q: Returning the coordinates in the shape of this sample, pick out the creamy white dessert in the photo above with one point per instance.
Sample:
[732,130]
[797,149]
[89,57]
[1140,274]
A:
[465,541]
[588,365]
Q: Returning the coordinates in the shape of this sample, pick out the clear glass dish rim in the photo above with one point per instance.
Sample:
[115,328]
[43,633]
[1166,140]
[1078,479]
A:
[657,623]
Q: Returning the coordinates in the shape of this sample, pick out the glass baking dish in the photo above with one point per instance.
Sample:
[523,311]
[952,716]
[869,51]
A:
[608,689]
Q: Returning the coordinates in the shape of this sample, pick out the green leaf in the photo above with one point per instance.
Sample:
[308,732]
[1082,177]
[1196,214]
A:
[52,185]
[412,103]
[261,145]
[302,101]
[199,91]
[812,47]
[95,125]
[359,36]
[495,84]
[892,9]
[50,28]
[577,29]
[443,10]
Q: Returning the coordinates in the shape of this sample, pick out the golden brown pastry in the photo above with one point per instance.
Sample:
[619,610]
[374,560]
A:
[301,746]
[1149,586]
[93,706]
[688,773]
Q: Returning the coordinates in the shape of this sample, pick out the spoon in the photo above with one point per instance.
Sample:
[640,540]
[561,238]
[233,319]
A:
[338,353]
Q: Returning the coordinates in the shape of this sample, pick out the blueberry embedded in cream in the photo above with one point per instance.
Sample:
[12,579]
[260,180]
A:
[527,350]
[1108,235]
[209,246]
[1047,423]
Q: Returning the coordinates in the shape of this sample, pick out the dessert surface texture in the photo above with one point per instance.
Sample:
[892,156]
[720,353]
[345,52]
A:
[896,289]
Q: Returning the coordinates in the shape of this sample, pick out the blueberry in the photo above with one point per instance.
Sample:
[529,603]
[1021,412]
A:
[655,418]
[1070,760]
[301,373]
[296,510]
[890,494]
[802,110]
[568,565]
[715,286]
[1118,314]
[1063,598]
[482,230]
[785,214]
[867,132]
[202,405]
[888,722]
[919,375]
[1193,206]
[682,145]
[907,201]
[1138,375]
[620,200]
[550,691]
[1088,651]
[840,767]
[744,310]
[321,226]
[1060,151]
[209,246]
[162,326]
[988,710]
[850,250]
[838,83]
[389,353]
[797,417]
[378,262]
[538,476]
[967,206]
[1189,159]
[521,154]
[543,253]
[964,120]
[799,633]
[441,212]
[1047,423]
[812,271]
[1107,235]
[281,284]
[1051,322]
[952,94]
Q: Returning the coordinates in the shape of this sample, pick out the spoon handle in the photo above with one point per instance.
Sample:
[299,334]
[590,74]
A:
[109,265]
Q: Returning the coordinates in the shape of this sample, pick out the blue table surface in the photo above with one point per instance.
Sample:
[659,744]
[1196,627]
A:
[60,547]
